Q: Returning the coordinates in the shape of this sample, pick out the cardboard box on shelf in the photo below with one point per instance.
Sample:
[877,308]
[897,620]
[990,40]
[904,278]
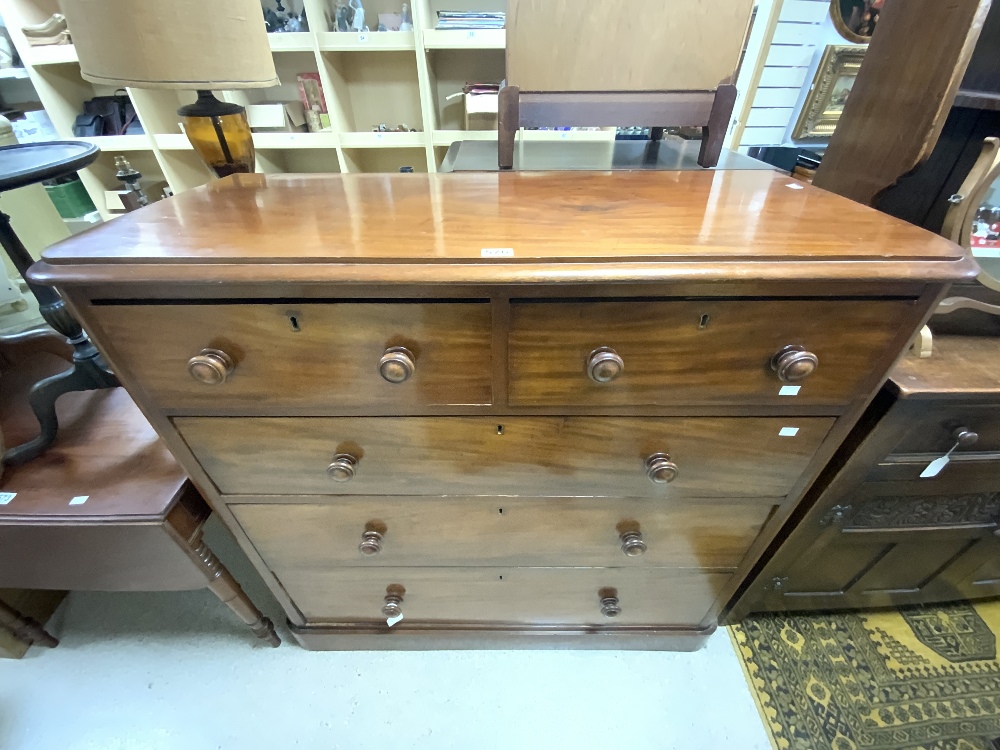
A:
[276,117]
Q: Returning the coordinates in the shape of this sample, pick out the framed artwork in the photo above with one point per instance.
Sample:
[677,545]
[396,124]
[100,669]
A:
[855,20]
[830,89]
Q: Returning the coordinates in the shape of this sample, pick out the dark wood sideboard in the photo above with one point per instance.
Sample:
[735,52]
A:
[518,410]
[876,532]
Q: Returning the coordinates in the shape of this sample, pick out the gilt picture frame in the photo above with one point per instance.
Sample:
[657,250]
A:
[830,88]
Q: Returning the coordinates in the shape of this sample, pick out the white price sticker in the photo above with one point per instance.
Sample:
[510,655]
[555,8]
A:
[496,252]
[794,186]
[789,390]
[6,497]
[471,35]
[390,621]
[362,37]
[788,431]
[79,500]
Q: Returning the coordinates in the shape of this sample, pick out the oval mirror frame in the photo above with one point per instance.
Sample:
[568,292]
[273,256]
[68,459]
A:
[850,27]
[966,203]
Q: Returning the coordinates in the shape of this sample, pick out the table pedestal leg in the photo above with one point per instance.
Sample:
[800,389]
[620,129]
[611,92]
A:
[89,372]
[24,628]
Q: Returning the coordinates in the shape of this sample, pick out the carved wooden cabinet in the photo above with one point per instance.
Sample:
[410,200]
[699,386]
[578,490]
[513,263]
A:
[475,410]
[893,522]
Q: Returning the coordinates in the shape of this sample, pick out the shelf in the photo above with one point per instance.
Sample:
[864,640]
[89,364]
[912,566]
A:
[294,140]
[465,39]
[121,142]
[448,137]
[382,140]
[371,41]
[977,99]
[53,54]
[385,159]
[299,41]
[172,141]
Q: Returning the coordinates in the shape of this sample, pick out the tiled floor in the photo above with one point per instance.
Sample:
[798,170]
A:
[177,670]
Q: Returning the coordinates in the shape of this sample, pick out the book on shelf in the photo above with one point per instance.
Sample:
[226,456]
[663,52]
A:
[460,19]
[313,102]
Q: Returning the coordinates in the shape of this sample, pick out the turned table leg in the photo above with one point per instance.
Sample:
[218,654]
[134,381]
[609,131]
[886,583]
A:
[24,628]
[224,586]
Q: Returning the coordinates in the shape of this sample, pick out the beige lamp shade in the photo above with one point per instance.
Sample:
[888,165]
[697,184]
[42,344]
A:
[179,44]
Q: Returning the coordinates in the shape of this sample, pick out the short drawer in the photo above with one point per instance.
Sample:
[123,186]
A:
[305,355]
[699,351]
[933,429]
[540,596]
[476,531]
[533,456]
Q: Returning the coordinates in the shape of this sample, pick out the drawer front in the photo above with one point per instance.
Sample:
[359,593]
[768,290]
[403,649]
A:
[697,352]
[933,429]
[309,355]
[534,456]
[579,532]
[540,596]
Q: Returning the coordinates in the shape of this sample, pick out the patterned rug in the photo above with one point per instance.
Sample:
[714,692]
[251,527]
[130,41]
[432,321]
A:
[925,678]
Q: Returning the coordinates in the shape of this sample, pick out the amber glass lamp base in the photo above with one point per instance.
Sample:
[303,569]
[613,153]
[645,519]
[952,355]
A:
[220,133]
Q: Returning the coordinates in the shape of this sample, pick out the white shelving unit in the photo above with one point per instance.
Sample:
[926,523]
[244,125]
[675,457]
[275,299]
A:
[368,79]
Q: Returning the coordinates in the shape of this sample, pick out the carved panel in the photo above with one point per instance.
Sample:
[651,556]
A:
[926,510]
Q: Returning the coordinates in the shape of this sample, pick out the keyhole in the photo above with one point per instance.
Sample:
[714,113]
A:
[499,429]
[500,511]
[295,323]
[703,321]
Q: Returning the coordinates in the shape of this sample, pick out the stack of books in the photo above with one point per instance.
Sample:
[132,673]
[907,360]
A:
[462,19]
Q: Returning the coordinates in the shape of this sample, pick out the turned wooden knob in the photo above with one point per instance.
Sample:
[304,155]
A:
[604,365]
[210,366]
[660,469]
[393,606]
[371,543]
[794,363]
[342,468]
[397,364]
[632,544]
[610,606]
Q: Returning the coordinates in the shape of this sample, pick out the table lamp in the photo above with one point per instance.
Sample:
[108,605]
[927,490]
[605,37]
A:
[181,44]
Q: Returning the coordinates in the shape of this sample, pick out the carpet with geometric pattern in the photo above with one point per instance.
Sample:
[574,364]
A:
[925,678]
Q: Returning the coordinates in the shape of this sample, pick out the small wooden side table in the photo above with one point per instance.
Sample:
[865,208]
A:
[106,508]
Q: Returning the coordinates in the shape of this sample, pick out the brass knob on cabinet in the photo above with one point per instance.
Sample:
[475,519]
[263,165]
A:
[397,364]
[371,543]
[210,366]
[604,365]
[610,606]
[342,468]
[660,469]
[632,544]
[393,606]
[794,363]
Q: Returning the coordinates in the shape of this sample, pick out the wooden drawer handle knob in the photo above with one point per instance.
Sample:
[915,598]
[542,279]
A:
[794,363]
[371,543]
[210,366]
[660,469]
[397,364]
[604,365]
[342,468]
[632,544]
[393,606]
[610,606]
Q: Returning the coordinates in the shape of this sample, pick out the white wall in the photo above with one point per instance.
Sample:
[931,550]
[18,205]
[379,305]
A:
[803,31]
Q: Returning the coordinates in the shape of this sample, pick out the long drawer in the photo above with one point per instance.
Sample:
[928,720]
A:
[571,596]
[697,351]
[393,531]
[305,355]
[535,456]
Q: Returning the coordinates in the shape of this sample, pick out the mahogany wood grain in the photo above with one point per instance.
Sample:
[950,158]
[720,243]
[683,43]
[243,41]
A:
[532,456]
[696,351]
[437,225]
[308,355]
[650,596]
[476,531]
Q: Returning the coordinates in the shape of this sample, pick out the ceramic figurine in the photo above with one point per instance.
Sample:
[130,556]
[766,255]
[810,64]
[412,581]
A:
[407,24]
[359,16]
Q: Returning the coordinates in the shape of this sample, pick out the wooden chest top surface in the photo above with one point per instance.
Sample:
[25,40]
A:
[580,226]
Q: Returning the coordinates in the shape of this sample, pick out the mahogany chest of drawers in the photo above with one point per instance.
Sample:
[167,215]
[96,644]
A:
[480,410]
